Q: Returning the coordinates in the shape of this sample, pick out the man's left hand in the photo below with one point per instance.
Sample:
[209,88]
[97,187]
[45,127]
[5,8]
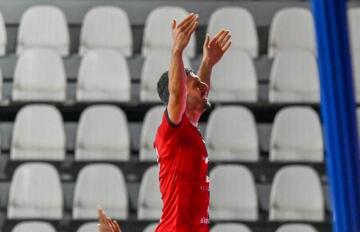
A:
[215,48]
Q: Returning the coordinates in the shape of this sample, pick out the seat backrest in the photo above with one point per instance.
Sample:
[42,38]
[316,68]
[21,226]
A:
[234,79]
[242,26]
[296,136]
[233,193]
[43,26]
[102,134]
[38,134]
[3,36]
[230,227]
[89,227]
[294,77]
[33,226]
[100,184]
[296,194]
[292,28]
[39,76]
[43,198]
[157,31]
[149,203]
[103,76]
[150,124]
[354,27]
[231,134]
[150,228]
[296,228]
[106,27]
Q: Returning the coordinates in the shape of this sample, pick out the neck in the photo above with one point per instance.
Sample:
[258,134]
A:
[193,116]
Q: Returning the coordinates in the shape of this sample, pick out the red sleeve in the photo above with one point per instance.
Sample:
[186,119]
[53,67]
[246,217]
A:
[167,136]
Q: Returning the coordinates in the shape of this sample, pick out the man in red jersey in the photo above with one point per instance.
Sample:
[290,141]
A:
[181,150]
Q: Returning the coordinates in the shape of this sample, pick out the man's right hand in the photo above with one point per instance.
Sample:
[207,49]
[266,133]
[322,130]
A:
[182,32]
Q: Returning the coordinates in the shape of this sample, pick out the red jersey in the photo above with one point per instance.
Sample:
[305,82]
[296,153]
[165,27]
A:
[184,183]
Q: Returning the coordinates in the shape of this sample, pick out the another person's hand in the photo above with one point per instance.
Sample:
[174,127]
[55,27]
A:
[215,48]
[182,32]
[106,224]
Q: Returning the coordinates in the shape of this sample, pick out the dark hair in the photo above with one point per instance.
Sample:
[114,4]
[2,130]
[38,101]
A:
[163,83]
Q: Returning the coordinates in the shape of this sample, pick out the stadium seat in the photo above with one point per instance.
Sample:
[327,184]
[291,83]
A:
[155,64]
[296,228]
[151,122]
[43,26]
[231,135]
[100,184]
[3,36]
[297,136]
[294,77]
[1,85]
[157,31]
[38,134]
[233,194]
[89,227]
[296,195]
[106,27]
[103,76]
[102,134]
[234,79]
[149,203]
[230,227]
[354,27]
[39,76]
[43,198]
[150,228]
[242,26]
[292,28]
[356,72]
[33,226]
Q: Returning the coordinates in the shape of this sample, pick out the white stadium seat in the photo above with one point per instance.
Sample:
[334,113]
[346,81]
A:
[231,135]
[230,227]
[43,198]
[354,27]
[155,64]
[294,77]
[233,194]
[100,184]
[296,195]
[297,136]
[102,134]
[149,203]
[3,36]
[39,76]
[106,27]
[150,228]
[89,227]
[38,134]
[296,228]
[158,33]
[103,76]
[292,28]
[44,26]
[234,79]
[33,226]
[356,73]
[151,123]
[242,26]
[1,85]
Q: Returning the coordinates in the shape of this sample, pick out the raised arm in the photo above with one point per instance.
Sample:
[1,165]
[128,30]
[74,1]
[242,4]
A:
[213,51]
[177,77]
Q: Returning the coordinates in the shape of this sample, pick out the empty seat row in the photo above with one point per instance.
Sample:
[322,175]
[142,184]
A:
[296,194]
[104,75]
[221,227]
[103,134]
[109,27]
